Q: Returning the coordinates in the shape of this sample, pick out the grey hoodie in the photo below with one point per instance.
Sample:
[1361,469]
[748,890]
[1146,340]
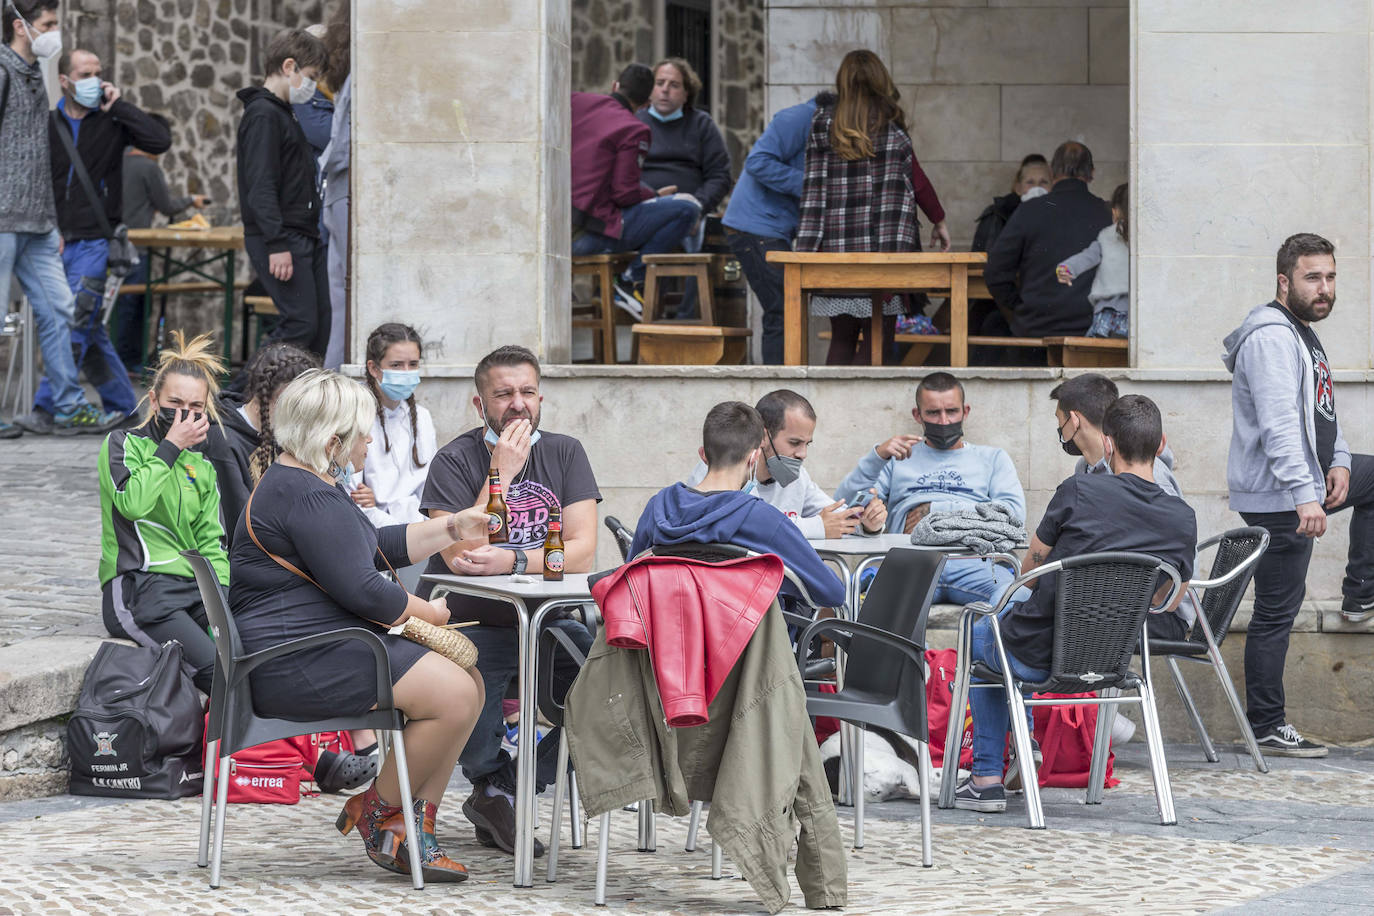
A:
[1272,465]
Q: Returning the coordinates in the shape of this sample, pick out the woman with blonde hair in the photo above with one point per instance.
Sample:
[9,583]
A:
[860,192]
[159,495]
[306,561]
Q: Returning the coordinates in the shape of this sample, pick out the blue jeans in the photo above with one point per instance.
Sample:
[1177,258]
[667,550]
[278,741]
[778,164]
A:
[967,581]
[33,258]
[483,759]
[765,280]
[991,714]
[653,226]
[84,262]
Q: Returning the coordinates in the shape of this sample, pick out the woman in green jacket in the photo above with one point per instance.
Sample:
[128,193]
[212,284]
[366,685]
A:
[159,496]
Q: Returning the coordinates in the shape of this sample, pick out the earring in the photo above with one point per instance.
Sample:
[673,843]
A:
[334,470]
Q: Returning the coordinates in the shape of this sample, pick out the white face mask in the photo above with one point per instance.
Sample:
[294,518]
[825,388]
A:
[304,92]
[44,46]
[1033,193]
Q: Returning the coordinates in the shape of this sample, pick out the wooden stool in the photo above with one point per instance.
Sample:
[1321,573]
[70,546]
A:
[697,266]
[599,314]
[669,344]
[1088,352]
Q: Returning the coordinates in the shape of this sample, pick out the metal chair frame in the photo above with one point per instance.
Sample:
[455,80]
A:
[1110,696]
[1244,569]
[233,724]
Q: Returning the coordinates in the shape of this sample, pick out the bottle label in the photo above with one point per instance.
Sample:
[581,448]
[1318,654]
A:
[494,488]
[494,523]
[553,560]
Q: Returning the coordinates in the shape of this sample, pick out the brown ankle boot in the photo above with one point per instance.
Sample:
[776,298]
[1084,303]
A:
[380,825]
[435,865]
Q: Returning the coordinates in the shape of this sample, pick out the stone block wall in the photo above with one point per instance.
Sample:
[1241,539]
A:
[984,83]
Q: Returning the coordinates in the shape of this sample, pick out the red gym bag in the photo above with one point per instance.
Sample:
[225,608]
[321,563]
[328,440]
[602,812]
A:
[280,772]
[939,695]
[1065,733]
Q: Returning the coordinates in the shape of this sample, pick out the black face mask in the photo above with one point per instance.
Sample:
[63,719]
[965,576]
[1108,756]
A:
[166,416]
[943,435]
[1070,447]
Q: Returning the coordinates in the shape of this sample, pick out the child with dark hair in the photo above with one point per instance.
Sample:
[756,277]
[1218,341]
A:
[159,495]
[1110,295]
[403,440]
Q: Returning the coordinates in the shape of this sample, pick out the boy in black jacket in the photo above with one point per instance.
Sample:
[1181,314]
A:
[278,195]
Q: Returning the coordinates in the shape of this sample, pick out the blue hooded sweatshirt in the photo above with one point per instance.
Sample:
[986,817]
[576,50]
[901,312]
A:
[681,515]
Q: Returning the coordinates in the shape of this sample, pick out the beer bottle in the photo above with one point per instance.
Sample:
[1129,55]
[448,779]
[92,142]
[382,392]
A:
[553,548]
[498,521]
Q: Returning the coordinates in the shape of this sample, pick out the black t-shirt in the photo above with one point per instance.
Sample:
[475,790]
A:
[1324,393]
[1091,513]
[557,474]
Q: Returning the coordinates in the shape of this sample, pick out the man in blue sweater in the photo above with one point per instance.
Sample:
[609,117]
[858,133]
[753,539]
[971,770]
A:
[721,509]
[762,215]
[941,472]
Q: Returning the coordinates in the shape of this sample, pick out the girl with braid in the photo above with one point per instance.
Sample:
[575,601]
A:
[403,440]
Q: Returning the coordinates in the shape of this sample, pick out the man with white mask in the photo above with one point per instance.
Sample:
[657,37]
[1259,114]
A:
[29,241]
[278,193]
[789,422]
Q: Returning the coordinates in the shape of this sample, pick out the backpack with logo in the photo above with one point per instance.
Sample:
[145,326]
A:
[138,730]
[280,772]
[941,665]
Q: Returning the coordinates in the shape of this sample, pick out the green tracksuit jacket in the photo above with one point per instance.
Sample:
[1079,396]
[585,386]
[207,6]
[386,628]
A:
[157,500]
[756,761]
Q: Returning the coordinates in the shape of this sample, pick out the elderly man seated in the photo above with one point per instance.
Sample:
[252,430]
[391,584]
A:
[1089,513]
[940,471]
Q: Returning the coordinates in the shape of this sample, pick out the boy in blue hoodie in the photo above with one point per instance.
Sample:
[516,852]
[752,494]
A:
[1287,469]
[721,509]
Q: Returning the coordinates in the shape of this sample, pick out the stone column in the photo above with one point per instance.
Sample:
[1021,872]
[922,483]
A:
[460,175]
[1245,134]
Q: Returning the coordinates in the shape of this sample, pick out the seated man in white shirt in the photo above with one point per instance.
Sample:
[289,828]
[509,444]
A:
[782,482]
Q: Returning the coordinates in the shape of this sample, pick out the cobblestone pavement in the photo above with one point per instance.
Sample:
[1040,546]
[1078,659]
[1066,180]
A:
[49,537]
[1291,842]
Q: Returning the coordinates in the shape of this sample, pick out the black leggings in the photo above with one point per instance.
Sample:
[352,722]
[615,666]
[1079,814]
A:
[845,349]
[151,608]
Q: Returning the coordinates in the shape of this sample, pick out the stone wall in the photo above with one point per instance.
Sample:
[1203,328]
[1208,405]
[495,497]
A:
[983,84]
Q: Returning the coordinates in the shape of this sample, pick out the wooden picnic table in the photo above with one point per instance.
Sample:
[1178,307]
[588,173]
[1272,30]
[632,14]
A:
[227,240]
[881,274]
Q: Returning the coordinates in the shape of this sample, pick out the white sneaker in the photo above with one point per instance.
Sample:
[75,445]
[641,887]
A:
[1123,729]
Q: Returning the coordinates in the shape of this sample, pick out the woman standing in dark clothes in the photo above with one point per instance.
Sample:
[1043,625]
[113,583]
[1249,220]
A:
[300,513]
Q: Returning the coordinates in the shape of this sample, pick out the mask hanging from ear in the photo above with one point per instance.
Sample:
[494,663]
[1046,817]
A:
[784,470]
[492,437]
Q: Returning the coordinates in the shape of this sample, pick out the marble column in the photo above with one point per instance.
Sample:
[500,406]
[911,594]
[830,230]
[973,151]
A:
[460,175]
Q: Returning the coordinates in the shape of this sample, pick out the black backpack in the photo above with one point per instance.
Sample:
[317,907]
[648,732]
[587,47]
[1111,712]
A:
[138,727]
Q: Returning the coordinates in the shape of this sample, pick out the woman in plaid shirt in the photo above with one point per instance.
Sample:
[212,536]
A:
[861,190]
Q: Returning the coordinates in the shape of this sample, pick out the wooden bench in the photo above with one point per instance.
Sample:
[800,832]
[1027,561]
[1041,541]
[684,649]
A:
[599,314]
[166,289]
[1088,352]
[668,344]
[922,344]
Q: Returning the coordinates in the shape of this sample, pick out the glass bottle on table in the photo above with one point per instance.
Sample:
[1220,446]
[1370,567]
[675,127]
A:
[498,519]
[553,548]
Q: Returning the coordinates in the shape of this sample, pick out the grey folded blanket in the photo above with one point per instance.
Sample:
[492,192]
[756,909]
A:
[984,528]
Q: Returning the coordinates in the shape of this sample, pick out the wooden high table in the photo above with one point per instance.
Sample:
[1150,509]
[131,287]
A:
[227,240]
[880,274]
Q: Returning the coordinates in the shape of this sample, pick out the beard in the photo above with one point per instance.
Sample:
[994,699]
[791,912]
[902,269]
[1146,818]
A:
[1314,309]
[509,417]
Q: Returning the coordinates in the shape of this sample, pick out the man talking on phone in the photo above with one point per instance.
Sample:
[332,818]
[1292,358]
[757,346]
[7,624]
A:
[93,119]
[781,481]
[940,471]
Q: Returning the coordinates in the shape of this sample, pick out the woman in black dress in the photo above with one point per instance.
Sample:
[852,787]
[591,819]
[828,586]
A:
[300,512]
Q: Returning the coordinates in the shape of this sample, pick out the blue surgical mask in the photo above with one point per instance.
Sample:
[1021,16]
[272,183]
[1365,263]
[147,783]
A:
[751,483]
[399,384]
[344,475]
[665,118]
[491,438]
[87,92]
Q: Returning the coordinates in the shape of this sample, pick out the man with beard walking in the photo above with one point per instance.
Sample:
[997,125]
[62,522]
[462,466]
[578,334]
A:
[1288,468]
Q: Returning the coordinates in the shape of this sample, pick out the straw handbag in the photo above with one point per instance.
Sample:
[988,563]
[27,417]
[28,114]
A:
[445,640]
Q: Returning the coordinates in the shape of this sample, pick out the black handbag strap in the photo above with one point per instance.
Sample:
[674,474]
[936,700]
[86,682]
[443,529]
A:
[82,175]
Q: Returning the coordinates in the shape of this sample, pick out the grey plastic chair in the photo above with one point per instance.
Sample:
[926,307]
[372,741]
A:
[1101,600]
[884,680]
[233,724]
[1238,553]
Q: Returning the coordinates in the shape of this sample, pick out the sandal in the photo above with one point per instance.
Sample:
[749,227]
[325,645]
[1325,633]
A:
[335,772]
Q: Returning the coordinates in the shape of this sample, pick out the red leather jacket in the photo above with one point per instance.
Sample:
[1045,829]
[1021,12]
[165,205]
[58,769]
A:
[695,618]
